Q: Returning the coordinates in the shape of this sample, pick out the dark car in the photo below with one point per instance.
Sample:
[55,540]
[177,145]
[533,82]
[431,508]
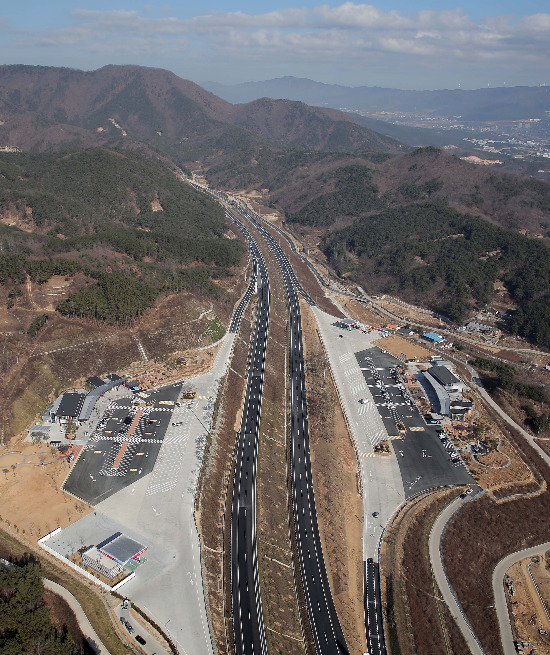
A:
[140,640]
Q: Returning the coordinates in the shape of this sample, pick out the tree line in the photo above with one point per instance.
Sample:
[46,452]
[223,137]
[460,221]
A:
[25,623]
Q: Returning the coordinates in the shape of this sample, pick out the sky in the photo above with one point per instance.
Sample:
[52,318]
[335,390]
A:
[406,44]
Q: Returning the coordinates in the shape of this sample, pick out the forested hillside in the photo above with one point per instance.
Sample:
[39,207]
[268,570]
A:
[433,254]
[126,222]
[25,623]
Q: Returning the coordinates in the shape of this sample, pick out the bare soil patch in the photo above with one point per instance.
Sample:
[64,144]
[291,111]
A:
[408,313]
[527,612]
[544,444]
[32,504]
[361,312]
[398,346]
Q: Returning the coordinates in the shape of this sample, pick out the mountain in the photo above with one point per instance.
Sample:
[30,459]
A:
[501,103]
[44,108]
[329,176]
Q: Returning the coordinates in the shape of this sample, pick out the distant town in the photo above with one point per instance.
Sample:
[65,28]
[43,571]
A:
[526,139]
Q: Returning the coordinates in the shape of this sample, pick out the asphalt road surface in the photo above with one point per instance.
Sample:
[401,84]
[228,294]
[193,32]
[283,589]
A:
[374,620]
[424,460]
[248,627]
[97,474]
[325,626]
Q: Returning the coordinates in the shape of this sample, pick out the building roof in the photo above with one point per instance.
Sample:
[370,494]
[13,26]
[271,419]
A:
[121,548]
[480,327]
[433,336]
[71,404]
[113,377]
[95,381]
[95,394]
[440,391]
[443,375]
[462,403]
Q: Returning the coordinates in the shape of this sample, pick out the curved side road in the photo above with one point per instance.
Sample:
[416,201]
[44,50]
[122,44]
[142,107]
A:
[83,621]
[441,577]
[483,392]
[501,606]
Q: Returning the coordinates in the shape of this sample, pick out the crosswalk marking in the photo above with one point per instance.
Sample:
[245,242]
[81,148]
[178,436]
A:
[417,429]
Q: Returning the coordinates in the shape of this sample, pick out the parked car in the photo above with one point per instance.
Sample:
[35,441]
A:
[140,640]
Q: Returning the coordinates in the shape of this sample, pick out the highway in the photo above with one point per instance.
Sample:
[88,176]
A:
[325,626]
[247,614]
[248,627]
[374,620]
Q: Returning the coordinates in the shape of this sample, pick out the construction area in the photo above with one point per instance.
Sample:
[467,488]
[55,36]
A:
[527,585]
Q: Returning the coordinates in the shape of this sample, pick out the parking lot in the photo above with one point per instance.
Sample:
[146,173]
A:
[424,459]
[374,402]
[124,446]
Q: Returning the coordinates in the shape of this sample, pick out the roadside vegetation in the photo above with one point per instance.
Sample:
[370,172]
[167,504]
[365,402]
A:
[25,622]
[95,608]
[501,379]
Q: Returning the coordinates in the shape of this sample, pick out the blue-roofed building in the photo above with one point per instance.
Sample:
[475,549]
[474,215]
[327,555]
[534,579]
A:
[433,337]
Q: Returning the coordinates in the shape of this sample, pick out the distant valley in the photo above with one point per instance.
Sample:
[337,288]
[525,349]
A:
[510,122]
[328,176]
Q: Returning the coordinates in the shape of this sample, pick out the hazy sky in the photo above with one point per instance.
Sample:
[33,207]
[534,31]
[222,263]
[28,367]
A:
[412,44]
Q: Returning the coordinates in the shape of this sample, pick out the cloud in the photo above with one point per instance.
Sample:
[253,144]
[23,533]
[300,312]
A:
[344,36]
